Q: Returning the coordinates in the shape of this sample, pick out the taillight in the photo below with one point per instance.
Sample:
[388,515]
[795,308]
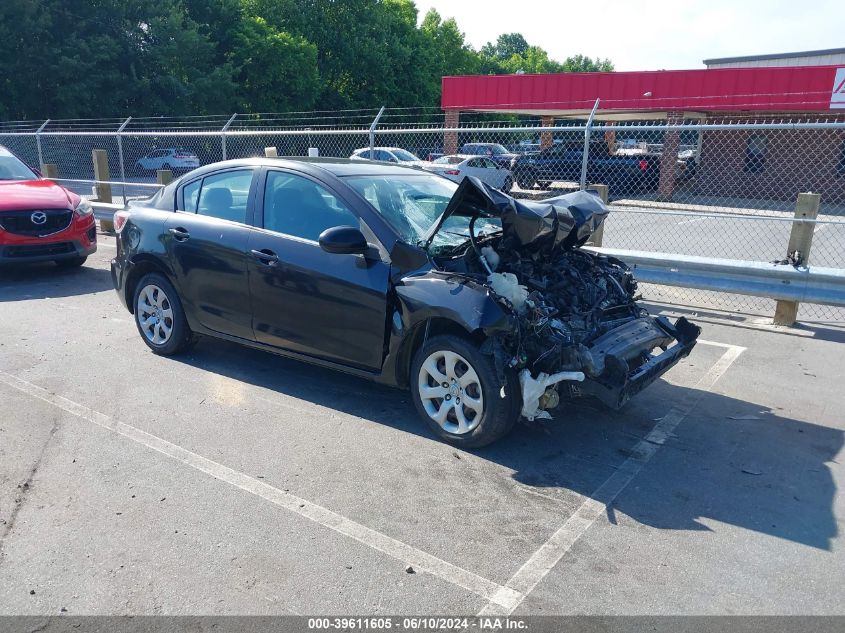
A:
[120,218]
[453,172]
[643,164]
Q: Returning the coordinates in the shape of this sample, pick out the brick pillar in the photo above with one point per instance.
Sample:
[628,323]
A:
[546,138]
[669,157]
[450,139]
[610,139]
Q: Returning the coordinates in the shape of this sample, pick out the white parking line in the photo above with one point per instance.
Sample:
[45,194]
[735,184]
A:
[555,548]
[702,341]
[493,592]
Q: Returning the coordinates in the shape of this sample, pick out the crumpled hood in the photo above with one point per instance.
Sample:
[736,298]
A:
[20,195]
[565,221]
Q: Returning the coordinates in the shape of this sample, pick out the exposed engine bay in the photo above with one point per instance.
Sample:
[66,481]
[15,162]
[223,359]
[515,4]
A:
[577,328]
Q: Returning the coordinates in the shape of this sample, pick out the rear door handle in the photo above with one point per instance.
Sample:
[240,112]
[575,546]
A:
[266,257]
[179,234]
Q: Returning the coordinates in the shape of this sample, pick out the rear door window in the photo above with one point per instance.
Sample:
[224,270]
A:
[223,195]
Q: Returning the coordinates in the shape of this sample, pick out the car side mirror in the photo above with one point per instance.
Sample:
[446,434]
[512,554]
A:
[343,240]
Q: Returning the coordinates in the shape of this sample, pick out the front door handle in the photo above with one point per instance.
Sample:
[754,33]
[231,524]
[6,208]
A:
[265,256]
[179,234]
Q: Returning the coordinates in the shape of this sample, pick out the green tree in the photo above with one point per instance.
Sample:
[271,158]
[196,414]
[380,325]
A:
[506,46]
[103,58]
[276,71]
[447,52]
[584,64]
[108,58]
[366,49]
[511,53]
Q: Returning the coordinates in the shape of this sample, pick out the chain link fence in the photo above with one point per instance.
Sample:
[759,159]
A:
[713,187]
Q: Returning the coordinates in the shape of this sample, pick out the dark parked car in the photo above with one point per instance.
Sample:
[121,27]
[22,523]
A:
[622,174]
[484,306]
[499,154]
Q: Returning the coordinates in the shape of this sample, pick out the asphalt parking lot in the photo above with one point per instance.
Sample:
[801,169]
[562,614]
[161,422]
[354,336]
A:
[230,481]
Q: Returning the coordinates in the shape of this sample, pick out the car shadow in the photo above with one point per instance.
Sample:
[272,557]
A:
[44,280]
[730,461]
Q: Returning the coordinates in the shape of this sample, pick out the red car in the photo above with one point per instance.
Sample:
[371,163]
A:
[40,220]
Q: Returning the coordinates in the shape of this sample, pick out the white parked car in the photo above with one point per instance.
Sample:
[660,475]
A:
[389,155]
[457,166]
[172,158]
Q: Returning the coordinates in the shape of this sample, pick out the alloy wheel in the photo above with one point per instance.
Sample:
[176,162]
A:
[155,314]
[450,392]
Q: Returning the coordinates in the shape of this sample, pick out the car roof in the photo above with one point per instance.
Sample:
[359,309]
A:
[366,149]
[336,166]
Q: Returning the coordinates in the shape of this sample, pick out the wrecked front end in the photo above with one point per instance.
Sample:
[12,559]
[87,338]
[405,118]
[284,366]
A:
[576,328]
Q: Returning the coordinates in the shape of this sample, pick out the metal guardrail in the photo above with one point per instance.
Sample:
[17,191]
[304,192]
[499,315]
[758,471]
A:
[811,284]
[803,284]
[105,210]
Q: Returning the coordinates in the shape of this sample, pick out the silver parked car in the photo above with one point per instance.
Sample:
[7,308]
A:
[457,166]
[173,158]
[388,155]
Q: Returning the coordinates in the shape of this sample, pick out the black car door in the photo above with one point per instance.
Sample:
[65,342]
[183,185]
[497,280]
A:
[207,242]
[304,299]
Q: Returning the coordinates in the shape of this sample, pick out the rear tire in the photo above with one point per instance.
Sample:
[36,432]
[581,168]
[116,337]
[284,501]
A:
[508,185]
[159,316]
[74,262]
[469,411]
[525,178]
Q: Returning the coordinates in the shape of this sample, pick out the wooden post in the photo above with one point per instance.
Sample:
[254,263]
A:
[164,176]
[800,239]
[271,152]
[101,173]
[49,170]
[597,237]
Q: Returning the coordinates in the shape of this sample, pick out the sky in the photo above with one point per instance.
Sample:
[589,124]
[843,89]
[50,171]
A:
[651,35]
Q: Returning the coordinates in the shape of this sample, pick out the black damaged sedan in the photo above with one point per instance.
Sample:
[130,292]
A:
[486,307]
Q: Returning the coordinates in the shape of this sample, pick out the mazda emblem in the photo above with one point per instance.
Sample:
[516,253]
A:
[39,217]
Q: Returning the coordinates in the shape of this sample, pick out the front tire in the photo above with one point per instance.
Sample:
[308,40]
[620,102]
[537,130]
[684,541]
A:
[456,391]
[159,316]
[525,178]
